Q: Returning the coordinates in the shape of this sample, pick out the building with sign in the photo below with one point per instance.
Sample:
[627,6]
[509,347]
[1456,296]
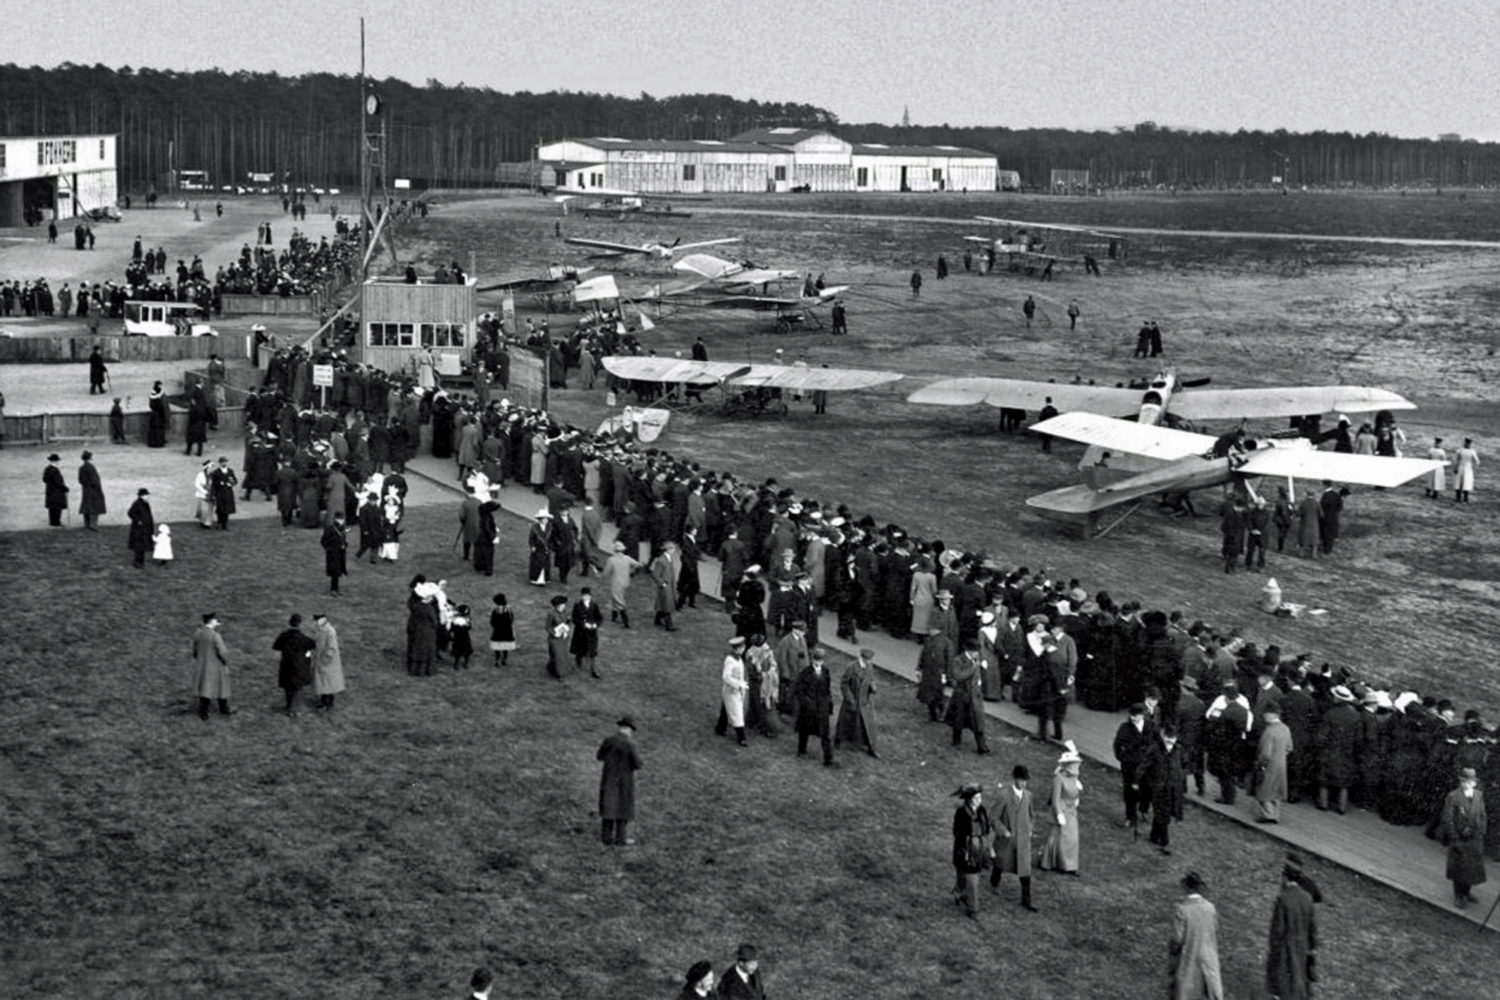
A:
[771,159]
[59,177]
[398,320]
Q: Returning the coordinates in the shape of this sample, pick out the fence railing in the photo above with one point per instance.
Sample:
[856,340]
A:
[65,350]
[45,428]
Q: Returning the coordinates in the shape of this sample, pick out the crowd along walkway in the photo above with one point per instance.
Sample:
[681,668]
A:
[1398,856]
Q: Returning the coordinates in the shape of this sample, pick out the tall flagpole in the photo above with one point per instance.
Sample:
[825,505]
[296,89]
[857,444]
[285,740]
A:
[364,164]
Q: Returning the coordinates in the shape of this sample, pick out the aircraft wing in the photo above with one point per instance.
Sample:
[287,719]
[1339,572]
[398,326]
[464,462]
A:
[579,241]
[1126,435]
[1024,394]
[707,265]
[1339,467]
[600,289]
[706,243]
[732,373]
[1283,401]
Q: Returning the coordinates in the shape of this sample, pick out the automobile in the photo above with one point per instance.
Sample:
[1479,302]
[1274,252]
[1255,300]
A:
[165,319]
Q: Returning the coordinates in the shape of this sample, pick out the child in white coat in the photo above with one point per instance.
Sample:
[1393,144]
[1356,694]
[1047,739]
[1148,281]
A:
[161,553]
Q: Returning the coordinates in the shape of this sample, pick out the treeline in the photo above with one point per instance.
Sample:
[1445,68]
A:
[306,128]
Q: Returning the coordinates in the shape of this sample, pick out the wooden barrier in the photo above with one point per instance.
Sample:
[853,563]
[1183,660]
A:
[235,304]
[35,350]
[69,350]
[46,428]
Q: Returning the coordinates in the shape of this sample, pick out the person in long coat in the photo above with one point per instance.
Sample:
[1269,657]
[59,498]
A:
[966,706]
[56,491]
[812,700]
[1194,948]
[159,418]
[335,550]
[91,505]
[734,688]
[856,720]
[1015,817]
[1270,768]
[1046,673]
[615,575]
[328,665]
[1060,848]
[1164,783]
[992,658]
[295,671]
[1308,521]
[922,596]
[211,667]
[664,576]
[538,544]
[972,831]
[1339,737]
[142,527]
[617,783]
[586,617]
[932,670]
[1465,464]
[1462,828]
[421,629]
[1289,959]
[221,484]
[559,635]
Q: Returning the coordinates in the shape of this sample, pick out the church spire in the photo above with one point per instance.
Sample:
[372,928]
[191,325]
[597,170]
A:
[906,116]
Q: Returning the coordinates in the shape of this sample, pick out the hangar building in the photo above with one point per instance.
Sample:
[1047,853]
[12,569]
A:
[62,175]
[772,159]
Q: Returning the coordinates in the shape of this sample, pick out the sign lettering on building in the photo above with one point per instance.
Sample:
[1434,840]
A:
[56,152]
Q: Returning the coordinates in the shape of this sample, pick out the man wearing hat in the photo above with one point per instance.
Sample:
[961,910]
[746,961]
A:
[56,491]
[791,658]
[1133,740]
[812,701]
[1339,742]
[856,722]
[973,849]
[1163,781]
[1015,818]
[966,706]
[734,689]
[945,617]
[142,527]
[1293,938]
[1194,948]
[741,981]
[1462,828]
[700,982]
[663,571]
[92,503]
[211,657]
[1270,767]
[617,782]
[616,579]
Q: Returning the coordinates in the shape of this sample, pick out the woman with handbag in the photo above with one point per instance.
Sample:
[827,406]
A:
[972,847]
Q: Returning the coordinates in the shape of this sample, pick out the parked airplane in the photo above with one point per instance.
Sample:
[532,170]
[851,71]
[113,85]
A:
[656,251]
[557,283]
[746,389]
[624,204]
[721,284]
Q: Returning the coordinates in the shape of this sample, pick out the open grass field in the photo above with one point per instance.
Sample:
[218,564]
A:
[430,825]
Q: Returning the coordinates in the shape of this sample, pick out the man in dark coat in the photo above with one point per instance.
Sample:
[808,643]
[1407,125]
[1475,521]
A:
[97,372]
[1330,508]
[1289,960]
[1047,672]
[1339,737]
[587,616]
[335,550]
[932,671]
[1462,828]
[617,783]
[221,484]
[813,700]
[741,981]
[1165,785]
[92,503]
[295,670]
[142,527]
[1133,740]
[966,706]
[56,491]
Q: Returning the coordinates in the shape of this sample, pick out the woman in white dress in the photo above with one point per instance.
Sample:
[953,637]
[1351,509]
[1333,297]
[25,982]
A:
[1060,850]
[1437,479]
[923,596]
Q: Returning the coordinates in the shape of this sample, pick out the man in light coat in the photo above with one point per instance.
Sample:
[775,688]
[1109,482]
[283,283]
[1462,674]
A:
[1014,817]
[1194,948]
[734,687]
[1270,767]
[328,666]
[211,659]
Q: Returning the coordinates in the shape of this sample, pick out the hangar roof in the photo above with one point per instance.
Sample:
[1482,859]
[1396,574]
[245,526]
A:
[882,149]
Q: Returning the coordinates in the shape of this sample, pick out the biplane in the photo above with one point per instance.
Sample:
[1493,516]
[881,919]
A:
[656,251]
[621,205]
[1028,246]
[743,389]
[715,283]
[557,283]
[1135,451]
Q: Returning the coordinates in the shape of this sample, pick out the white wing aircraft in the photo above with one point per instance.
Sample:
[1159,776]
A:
[716,283]
[656,251]
[747,388]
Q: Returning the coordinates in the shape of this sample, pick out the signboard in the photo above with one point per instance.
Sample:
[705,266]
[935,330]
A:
[323,375]
[401,184]
[508,312]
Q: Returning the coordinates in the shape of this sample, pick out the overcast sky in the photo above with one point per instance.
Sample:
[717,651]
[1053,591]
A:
[1404,67]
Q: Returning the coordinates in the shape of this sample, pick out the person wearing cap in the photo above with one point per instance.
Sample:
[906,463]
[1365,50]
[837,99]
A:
[1340,736]
[791,658]
[617,782]
[328,664]
[1194,947]
[1271,766]
[966,704]
[741,981]
[211,661]
[55,491]
[142,527]
[538,543]
[973,847]
[1465,465]
[615,576]
[699,983]
[1165,785]
[295,670]
[1060,848]
[734,688]
[91,504]
[1015,817]
[1290,958]
[856,721]
[812,704]
[1462,829]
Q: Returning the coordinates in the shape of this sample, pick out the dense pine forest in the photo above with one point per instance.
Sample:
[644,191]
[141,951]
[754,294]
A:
[305,128]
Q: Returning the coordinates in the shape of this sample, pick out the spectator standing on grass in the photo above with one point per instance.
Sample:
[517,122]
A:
[1015,816]
[1437,479]
[972,847]
[1194,948]
[856,721]
[56,491]
[221,484]
[617,783]
[116,423]
[1133,740]
[335,544]
[295,669]
[916,284]
[734,688]
[1060,849]
[142,527]
[1028,308]
[587,616]
[328,664]
[211,657]
[1462,829]
[480,984]
[812,703]
[741,981]
[502,630]
[92,503]
[1465,465]
[1073,314]
[1290,969]
[1164,782]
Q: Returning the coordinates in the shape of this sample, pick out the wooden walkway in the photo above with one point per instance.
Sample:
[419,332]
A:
[1398,856]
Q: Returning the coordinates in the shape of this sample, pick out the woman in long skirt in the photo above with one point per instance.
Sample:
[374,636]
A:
[1060,849]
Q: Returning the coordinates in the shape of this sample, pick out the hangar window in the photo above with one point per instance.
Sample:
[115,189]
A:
[2,156]
[391,335]
[690,171]
[101,149]
[781,173]
[937,173]
[862,177]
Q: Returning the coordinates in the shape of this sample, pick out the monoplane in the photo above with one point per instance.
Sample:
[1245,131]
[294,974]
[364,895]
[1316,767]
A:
[1029,245]
[715,283]
[744,389]
[620,205]
[557,282]
[656,251]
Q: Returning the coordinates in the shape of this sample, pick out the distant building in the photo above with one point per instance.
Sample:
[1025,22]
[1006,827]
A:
[1450,137]
[61,176]
[770,159]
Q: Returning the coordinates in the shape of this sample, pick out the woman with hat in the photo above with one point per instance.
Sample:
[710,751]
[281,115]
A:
[765,685]
[160,417]
[700,982]
[559,632]
[1462,828]
[972,847]
[538,543]
[1060,849]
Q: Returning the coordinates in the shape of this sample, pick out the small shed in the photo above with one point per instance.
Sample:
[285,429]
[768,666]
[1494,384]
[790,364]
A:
[399,319]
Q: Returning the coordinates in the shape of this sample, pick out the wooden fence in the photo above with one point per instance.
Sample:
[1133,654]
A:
[46,428]
[272,305]
[67,350]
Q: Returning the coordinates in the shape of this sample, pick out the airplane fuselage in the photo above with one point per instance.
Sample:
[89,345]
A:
[1158,397]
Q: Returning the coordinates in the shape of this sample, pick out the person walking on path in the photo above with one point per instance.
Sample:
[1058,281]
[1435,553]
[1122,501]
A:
[1194,948]
[617,783]
[973,838]
[587,616]
[328,665]
[1060,849]
[56,491]
[856,720]
[1270,767]
[1465,465]
[142,527]
[1462,828]
[92,503]
[1015,817]
[1290,969]
[295,670]
[211,659]
[98,372]
[335,551]
[1165,785]
[1028,308]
